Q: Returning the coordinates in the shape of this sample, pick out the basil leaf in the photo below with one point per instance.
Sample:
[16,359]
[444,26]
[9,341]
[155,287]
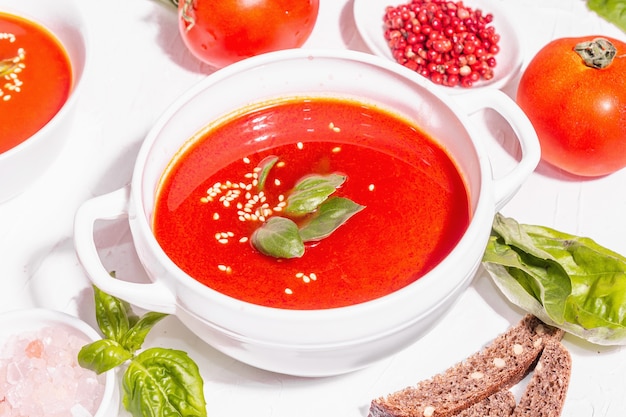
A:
[103,355]
[613,11]
[278,237]
[135,336]
[565,280]
[113,315]
[163,382]
[265,166]
[331,214]
[310,192]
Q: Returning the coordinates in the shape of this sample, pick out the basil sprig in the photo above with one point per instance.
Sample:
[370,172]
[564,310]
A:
[280,237]
[157,382]
[567,281]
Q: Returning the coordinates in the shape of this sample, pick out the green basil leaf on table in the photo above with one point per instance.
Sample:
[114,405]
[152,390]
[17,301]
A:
[133,339]
[310,192]
[103,355]
[278,237]
[113,315]
[157,381]
[331,214]
[613,11]
[566,280]
[163,382]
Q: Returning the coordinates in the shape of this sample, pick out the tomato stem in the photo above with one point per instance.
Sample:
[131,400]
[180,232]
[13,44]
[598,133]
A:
[189,20]
[597,53]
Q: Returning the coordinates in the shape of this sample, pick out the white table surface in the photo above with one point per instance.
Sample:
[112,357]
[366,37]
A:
[139,65]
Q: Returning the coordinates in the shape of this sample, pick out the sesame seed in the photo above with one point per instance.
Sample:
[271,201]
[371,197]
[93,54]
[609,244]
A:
[300,145]
[243,239]
[216,216]
[476,375]
[313,276]
[223,241]
[499,362]
[204,200]
[288,291]
[429,411]
[518,349]
[371,187]
[277,182]
[299,274]
[246,160]
[336,149]
[280,164]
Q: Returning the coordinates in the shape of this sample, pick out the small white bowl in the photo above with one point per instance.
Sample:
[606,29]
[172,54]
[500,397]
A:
[19,322]
[23,164]
[368,16]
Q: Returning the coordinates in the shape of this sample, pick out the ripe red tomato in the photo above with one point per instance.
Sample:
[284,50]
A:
[579,112]
[220,32]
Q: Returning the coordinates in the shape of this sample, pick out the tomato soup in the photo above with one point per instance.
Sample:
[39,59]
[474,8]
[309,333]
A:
[415,204]
[35,79]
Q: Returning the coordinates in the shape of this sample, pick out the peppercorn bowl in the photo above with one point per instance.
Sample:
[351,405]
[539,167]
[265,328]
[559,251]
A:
[502,64]
[43,56]
[39,371]
[318,341]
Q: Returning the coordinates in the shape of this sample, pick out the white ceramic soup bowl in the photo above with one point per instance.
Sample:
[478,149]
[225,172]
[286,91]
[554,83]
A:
[30,323]
[23,164]
[313,342]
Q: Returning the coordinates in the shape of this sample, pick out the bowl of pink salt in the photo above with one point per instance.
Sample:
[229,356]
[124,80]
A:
[39,371]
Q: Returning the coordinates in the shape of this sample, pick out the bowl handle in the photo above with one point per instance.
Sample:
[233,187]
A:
[153,296]
[509,184]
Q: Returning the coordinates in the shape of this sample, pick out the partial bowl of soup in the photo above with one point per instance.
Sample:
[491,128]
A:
[43,49]
[310,212]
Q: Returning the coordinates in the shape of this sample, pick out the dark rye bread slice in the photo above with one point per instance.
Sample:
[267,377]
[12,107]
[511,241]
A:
[498,366]
[545,393]
[500,404]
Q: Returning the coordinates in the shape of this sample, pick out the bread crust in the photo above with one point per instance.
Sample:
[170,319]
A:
[497,367]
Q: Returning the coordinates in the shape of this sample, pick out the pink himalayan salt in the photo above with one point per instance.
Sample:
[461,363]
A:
[40,376]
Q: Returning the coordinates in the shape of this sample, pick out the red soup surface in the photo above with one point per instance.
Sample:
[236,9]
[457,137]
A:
[35,79]
[209,204]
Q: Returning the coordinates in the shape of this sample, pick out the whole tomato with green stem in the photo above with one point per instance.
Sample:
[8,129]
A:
[220,32]
[574,93]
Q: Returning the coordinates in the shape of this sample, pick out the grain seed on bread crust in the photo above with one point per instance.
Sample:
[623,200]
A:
[500,404]
[545,393]
[498,366]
